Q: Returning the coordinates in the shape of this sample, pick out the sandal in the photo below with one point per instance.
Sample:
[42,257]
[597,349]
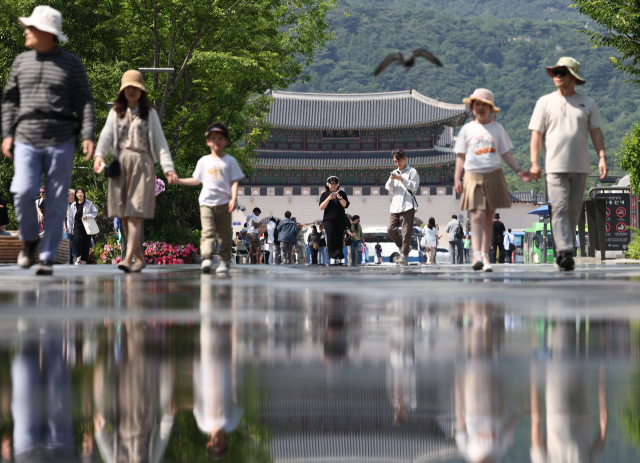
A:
[124,267]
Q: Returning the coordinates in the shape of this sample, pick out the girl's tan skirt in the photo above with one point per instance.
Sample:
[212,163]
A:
[133,194]
[485,192]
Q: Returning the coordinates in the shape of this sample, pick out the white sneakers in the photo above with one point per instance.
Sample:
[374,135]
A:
[402,261]
[206,266]
[223,268]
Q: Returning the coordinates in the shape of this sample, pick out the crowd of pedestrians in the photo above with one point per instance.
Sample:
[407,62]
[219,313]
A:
[47,107]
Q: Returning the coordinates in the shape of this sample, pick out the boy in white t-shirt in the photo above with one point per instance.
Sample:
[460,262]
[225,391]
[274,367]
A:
[219,175]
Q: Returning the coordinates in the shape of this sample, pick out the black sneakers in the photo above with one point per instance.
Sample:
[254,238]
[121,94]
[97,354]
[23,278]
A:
[45,267]
[27,256]
[565,262]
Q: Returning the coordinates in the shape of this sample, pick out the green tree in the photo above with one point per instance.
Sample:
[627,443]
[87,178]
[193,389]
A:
[225,53]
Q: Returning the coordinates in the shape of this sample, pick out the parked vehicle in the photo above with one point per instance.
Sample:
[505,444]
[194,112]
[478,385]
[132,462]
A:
[390,251]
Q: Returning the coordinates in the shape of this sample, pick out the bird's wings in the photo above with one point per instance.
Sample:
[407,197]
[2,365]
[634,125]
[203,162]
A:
[390,59]
[427,55]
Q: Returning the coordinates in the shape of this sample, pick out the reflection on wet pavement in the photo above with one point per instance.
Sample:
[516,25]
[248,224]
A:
[318,366]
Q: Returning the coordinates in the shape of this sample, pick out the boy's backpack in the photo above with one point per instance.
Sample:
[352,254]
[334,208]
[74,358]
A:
[459,232]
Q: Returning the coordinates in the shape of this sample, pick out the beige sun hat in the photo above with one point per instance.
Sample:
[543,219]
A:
[484,95]
[46,19]
[572,65]
[132,78]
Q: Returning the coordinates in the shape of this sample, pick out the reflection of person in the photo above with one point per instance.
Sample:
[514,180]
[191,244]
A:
[215,405]
[401,372]
[38,115]
[483,433]
[43,428]
[568,421]
[134,396]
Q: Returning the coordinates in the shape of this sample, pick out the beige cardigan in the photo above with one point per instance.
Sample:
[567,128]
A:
[108,140]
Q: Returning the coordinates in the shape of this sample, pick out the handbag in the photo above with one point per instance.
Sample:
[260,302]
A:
[90,226]
[112,170]
[316,245]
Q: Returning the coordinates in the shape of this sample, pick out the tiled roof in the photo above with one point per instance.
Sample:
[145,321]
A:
[342,159]
[527,197]
[446,139]
[360,111]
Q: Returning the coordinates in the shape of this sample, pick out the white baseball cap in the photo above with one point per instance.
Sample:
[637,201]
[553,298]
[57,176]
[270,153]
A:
[46,19]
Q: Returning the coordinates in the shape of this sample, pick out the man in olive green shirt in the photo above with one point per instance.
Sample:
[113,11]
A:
[357,240]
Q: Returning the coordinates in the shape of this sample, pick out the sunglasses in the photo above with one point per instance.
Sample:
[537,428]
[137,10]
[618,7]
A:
[559,72]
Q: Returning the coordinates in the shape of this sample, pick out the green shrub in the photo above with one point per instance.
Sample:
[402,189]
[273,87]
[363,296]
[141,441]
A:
[173,234]
[634,247]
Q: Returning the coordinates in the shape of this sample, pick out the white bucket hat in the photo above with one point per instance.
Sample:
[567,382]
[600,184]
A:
[46,19]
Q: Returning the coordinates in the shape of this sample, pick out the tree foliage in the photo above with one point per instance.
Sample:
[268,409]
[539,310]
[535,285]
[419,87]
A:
[621,22]
[628,156]
[225,54]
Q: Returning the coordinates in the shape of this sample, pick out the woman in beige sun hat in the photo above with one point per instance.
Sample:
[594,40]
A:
[134,136]
[481,145]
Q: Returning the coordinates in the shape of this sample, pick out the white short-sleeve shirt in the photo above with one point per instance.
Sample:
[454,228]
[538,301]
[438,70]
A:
[216,176]
[565,123]
[483,146]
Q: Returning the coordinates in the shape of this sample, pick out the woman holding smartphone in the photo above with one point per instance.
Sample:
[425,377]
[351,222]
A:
[333,202]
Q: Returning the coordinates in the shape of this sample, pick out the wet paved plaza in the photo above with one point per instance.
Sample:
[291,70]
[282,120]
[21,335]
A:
[302,364]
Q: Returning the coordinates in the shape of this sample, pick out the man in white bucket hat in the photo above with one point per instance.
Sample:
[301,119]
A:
[46,105]
[562,122]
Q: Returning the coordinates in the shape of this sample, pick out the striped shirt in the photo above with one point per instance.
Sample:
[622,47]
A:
[43,92]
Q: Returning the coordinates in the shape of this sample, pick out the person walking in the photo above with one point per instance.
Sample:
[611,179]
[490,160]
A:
[455,234]
[313,241]
[481,146]
[67,232]
[288,237]
[402,185]
[271,239]
[81,209]
[333,202]
[134,136]
[41,205]
[253,224]
[509,245]
[378,249]
[219,173]
[466,244]
[4,218]
[301,247]
[323,254]
[46,87]
[497,240]
[431,239]
[357,240]
[561,123]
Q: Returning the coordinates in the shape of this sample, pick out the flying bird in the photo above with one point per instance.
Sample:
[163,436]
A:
[398,58]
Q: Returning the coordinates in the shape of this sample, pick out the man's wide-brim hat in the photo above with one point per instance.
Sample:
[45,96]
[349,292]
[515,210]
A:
[572,65]
[484,95]
[132,78]
[45,19]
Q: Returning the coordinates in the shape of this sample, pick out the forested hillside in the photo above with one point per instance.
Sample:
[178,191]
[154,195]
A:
[507,56]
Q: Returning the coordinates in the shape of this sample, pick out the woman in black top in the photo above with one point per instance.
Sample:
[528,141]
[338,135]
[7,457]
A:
[333,202]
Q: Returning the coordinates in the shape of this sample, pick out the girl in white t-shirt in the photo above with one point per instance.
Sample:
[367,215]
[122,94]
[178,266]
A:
[481,146]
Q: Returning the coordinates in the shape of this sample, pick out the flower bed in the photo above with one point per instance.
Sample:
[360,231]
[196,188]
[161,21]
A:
[161,253]
[111,254]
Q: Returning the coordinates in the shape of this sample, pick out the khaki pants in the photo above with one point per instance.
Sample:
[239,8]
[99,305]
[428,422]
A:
[404,220]
[566,193]
[215,219]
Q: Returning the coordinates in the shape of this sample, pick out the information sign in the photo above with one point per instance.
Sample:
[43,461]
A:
[618,221]
[341,134]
